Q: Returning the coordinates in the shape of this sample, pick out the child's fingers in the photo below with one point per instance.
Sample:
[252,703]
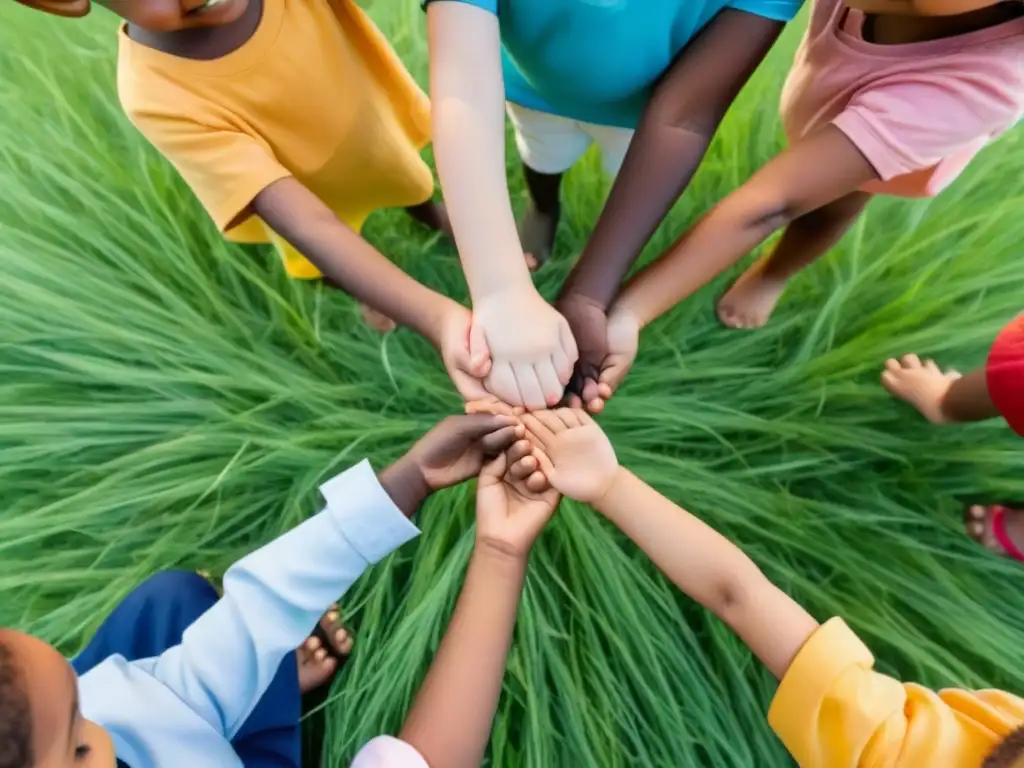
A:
[545,467]
[537,483]
[522,469]
[552,387]
[494,470]
[585,418]
[499,440]
[563,367]
[596,405]
[518,451]
[551,421]
[567,416]
[540,435]
[590,390]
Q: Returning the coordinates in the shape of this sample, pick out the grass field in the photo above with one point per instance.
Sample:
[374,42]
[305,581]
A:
[167,400]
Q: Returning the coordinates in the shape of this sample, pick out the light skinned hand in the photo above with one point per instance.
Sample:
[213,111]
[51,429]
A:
[509,515]
[573,452]
[466,369]
[530,344]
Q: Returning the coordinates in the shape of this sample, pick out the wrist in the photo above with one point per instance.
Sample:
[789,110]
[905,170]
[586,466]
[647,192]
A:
[605,503]
[498,555]
[405,483]
[630,305]
[513,281]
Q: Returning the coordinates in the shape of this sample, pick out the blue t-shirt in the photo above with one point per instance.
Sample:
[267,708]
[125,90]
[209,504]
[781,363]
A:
[598,60]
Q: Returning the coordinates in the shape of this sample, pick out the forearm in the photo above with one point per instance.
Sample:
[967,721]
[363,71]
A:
[404,483]
[347,260]
[468,113]
[274,597]
[661,161]
[717,242]
[710,569]
[450,721]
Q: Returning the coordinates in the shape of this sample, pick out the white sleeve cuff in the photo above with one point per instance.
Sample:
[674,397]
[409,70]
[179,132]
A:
[366,515]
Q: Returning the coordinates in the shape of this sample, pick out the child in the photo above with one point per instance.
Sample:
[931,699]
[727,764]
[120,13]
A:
[292,121]
[225,690]
[831,708]
[573,73]
[995,390]
[885,97]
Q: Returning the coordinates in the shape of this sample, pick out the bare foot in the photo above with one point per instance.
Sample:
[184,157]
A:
[317,664]
[979,522]
[377,320]
[923,385]
[537,234]
[751,299]
[433,215]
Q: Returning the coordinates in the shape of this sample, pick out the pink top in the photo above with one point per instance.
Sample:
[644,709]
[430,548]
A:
[388,752]
[918,112]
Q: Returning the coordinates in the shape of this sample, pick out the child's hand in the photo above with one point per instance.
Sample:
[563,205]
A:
[589,325]
[456,449]
[509,515]
[467,371]
[532,347]
[572,452]
[623,342]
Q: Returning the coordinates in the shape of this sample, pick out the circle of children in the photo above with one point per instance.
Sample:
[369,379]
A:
[885,97]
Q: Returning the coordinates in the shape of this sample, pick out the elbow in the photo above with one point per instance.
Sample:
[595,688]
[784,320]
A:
[757,215]
[731,595]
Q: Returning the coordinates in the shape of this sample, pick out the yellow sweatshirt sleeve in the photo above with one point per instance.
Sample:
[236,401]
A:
[832,710]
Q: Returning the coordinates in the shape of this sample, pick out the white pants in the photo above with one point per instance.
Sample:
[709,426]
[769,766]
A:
[552,144]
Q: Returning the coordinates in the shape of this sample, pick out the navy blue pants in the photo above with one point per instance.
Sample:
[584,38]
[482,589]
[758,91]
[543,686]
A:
[152,619]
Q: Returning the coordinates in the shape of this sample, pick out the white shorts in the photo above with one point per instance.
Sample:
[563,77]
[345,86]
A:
[552,144]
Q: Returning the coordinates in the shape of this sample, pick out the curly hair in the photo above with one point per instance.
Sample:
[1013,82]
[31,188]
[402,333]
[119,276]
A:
[15,715]
[1009,753]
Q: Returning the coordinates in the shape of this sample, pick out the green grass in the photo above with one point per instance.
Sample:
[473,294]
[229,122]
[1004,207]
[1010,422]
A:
[167,400]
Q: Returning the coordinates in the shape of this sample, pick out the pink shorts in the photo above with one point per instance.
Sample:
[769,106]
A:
[1005,374]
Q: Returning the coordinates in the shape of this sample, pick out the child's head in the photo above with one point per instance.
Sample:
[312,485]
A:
[922,7]
[1009,754]
[153,15]
[40,725]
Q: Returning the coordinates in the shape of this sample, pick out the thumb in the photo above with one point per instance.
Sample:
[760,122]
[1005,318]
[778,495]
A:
[494,470]
[479,352]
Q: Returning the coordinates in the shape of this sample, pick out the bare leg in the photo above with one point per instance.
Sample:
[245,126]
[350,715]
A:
[434,215]
[540,219]
[752,298]
[942,397]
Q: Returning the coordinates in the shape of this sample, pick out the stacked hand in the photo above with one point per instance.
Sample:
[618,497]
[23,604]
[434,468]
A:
[607,347]
[573,454]
[530,343]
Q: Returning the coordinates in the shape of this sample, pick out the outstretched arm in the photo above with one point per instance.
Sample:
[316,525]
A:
[450,721]
[669,144]
[578,460]
[811,173]
[532,361]
[345,258]
[710,569]
[468,110]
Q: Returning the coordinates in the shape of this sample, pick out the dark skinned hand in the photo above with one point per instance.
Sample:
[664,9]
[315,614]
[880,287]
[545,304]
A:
[589,323]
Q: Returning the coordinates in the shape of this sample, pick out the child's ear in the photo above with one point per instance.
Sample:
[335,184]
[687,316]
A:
[71,9]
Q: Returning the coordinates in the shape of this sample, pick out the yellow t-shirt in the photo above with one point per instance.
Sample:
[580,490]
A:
[833,711]
[317,93]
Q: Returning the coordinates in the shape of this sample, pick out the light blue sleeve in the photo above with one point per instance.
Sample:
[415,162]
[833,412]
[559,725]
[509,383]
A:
[779,10]
[487,5]
[274,597]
